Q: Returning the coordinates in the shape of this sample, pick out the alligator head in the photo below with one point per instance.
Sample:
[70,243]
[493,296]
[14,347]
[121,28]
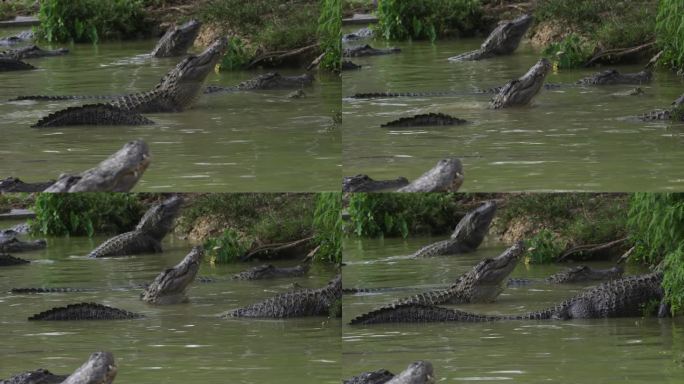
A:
[177,39]
[585,273]
[507,35]
[612,76]
[446,176]
[183,84]
[118,173]
[158,220]
[99,369]
[473,227]
[522,90]
[274,80]
[169,286]
[32,51]
[486,280]
[419,372]
[364,183]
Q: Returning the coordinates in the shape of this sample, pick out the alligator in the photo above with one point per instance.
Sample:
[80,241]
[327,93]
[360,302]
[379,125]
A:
[99,369]
[13,244]
[297,303]
[31,52]
[178,90]
[613,77]
[425,120]
[419,372]
[625,297]
[147,235]
[579,274]
[363,33]
[676,112]
[39,376]
[348,65]
[169,286]
[503,40]
[7,260]
[522,90]
[632,92]
[10,64]
[84,311]
[267,81]
[177,39]
[445,176]
[467,235]
[367,50]
[20,37]
[269,271]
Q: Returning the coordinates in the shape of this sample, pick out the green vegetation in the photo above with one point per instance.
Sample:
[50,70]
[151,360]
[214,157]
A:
[10,201]
[570,52]
[656,221]
[544,247]
[91,20]
[228,247]
[237,55]
[330,34]
[328,226]
[63,214]
[670,33]
[350,7]
[12,8]
[428,19]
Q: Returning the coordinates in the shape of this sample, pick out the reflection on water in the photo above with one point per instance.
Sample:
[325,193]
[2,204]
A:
[249,141]
[593,351]
[173,344]
[571,138]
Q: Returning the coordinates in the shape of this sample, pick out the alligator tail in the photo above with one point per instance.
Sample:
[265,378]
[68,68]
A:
[419,313]
[46,290]
[382,95]
[64,97]
[93,114]
[428,119]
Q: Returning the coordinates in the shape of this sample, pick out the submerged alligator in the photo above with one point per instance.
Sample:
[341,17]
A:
[21,37]
[13,244]
[503,40]
[169,286]
[419,372]
[147,235]
[467,235]
[363,33]
[613,77]
[445,176]
[348,65]
[267,81]
[269,271]
[39,376]
[626,297]
[31,52]
[178,90]
[676,112]
[118,173]
[177,39]
[579,274]
[100,368]
[84,311]
[297,303]
[7,260]
[10,64]
[367,50]
[522,90]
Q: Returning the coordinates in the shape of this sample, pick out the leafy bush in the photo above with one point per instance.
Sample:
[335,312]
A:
[570,52]
[670,33]
[10,9]
[90,20]
[330,34]
[228,247]
[237,55]
[544,247]
[62,214]
[428,19]
[328,226]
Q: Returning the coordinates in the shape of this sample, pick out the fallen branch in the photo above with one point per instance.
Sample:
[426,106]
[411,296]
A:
[279,56]
[280,250]
[589,249]
[619,52]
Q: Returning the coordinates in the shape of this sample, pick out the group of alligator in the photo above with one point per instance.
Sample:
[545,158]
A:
[616,296]
[171,285]
[177,91]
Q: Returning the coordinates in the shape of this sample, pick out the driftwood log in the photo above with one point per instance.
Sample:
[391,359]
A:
[607,250]
[287,250]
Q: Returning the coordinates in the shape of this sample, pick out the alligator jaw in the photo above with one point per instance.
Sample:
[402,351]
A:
[446,176]
[169,287]
[522,90]
[473,227]
[503,40]
[100,369]
[177,39]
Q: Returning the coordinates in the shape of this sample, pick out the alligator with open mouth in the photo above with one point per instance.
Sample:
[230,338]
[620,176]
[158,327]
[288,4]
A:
[676,112]
[100,368]
[178,90]
[418,372]
[445,176]
[578,274]
[521,91]
[31,52]
[267,81]
[155,224]
[467,235]
[269,271]
[297,303]
[503,40]
[177,39]
[169,286]
[625,297]
[367,50]
[118,173]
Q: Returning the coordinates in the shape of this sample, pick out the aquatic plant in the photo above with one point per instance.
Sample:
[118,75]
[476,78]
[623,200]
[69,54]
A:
[330,33]
[670,33]
[544,247]
[227,247]
[571,52]
[327,224]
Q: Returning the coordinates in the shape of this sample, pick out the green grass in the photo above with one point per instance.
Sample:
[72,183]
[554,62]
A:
[328,226]
[330,34]
[670,32]
[10,9]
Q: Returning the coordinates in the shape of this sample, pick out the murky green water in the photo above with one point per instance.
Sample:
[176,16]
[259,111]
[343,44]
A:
[258,141]
[630,350]
[572,138]
[174,344]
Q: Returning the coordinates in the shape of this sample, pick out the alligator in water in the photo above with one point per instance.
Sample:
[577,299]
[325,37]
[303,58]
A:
[20,37]
[632,92]
[7,260]
[522,90]
[613,77]
[297,303]
[39,376]
[267,81]
[269,271]
[118,173]
[169,286]
[147,235]
[445,176]
[503,40]
[626,297]
[363,33]
[425,120]
[31,52]
[100,368]
[178,90]
[10,64]
[367,50]
[419,372]
[177,39]
[676,112]
[348,65]
[579,274]
[84,311]
[13,244]
[467,235]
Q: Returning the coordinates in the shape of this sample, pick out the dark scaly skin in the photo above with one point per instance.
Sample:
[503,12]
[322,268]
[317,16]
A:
[579,274]
[362,33]
[169,287]
[12,244]
[147,236]
[419,372]
[13,184]
[20,37]
[7,260]
[467,235]
[349,66]
[39,376]
[177,39]
[676,112]
[92,114]
[613,77]
[425,120]
[364,183]
[298,303]
[31,290]
[84,311]
[269,271]
[503,40]
[381,376]
[367,50]
[267,81]
[521,91]
[99,369]
[10,64]
[31,52]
